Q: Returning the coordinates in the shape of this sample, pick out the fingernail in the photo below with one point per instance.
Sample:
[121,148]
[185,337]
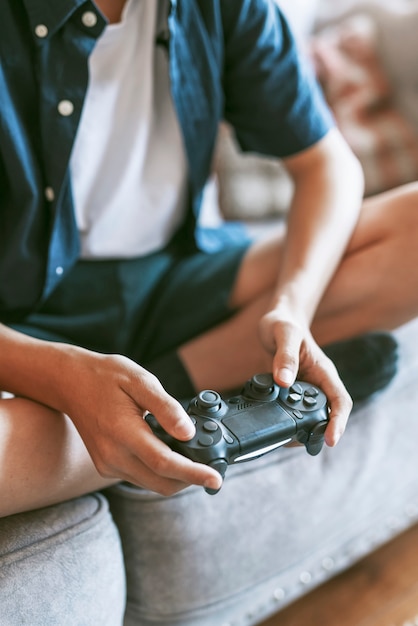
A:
[213,483]
[285,376]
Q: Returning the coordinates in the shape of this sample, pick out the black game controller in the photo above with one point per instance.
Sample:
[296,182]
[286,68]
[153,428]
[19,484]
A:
[262,418]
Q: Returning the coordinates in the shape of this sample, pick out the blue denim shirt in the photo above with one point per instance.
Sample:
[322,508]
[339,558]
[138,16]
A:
[228,59]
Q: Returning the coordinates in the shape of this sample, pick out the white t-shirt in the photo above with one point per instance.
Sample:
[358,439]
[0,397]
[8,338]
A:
[128,164]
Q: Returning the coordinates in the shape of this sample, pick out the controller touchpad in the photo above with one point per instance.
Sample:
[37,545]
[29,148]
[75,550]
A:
[260,424]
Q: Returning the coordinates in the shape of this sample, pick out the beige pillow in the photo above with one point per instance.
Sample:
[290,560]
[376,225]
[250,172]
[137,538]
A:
[250,187]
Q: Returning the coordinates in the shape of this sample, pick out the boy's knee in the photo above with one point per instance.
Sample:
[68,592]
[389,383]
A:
[27,420]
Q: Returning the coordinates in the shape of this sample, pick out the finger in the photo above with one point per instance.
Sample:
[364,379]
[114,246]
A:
[170,473]
[339,401]
[167,463]
[151,395]
[137,473]
[340,409]
[151,452]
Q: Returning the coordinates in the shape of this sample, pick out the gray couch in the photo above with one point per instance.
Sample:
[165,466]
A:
[280,526]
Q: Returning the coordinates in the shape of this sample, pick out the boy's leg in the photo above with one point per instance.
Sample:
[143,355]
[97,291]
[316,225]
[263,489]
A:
[375,287]
[43,459]
[377,283]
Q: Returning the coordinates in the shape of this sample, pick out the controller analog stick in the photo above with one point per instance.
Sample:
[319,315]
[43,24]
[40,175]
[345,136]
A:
[262,383]
[208,400]
[261,387]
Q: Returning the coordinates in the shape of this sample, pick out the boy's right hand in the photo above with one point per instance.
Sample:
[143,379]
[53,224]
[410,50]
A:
[107,397]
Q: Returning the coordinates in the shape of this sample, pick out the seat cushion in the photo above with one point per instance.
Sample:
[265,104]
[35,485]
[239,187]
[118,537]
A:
[62,565]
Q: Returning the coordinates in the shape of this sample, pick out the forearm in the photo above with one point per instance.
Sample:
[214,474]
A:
[324,212]
[43,459]
[34,368]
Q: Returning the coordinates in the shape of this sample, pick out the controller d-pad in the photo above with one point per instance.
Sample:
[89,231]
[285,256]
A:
[209,433]
[205,440]
[296,388]
[312,392]
[210,427]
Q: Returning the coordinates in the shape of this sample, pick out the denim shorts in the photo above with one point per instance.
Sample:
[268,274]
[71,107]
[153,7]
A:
[142,307]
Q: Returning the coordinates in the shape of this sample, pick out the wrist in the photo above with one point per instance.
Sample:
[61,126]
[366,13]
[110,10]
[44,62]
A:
[34,368]
[291,309]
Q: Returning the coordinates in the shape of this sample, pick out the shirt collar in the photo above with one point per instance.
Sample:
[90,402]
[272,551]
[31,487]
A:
[52,14]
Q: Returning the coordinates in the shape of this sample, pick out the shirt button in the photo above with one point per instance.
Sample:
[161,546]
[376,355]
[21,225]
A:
[49,194]
[59,270]
[89,19]
[65,108]
[41,31]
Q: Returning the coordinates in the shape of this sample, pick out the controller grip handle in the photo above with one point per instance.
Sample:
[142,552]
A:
[316,438]
[220,465]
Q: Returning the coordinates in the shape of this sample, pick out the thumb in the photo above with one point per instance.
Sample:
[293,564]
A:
[168,412]
[286,357]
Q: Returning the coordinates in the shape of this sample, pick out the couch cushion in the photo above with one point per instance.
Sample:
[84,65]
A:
[62,565]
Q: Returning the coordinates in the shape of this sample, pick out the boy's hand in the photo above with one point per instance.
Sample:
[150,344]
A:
[107,397]
[296,354]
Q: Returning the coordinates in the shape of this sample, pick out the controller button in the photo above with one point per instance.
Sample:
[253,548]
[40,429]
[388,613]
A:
[312,392]
[294,398]
[208,399]
[309,401]
[228,438]
[297,414]
[210,427]
[205,440]
[296,388]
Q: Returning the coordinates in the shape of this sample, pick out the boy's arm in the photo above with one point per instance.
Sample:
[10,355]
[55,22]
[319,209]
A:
[106,397]
[324,212]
